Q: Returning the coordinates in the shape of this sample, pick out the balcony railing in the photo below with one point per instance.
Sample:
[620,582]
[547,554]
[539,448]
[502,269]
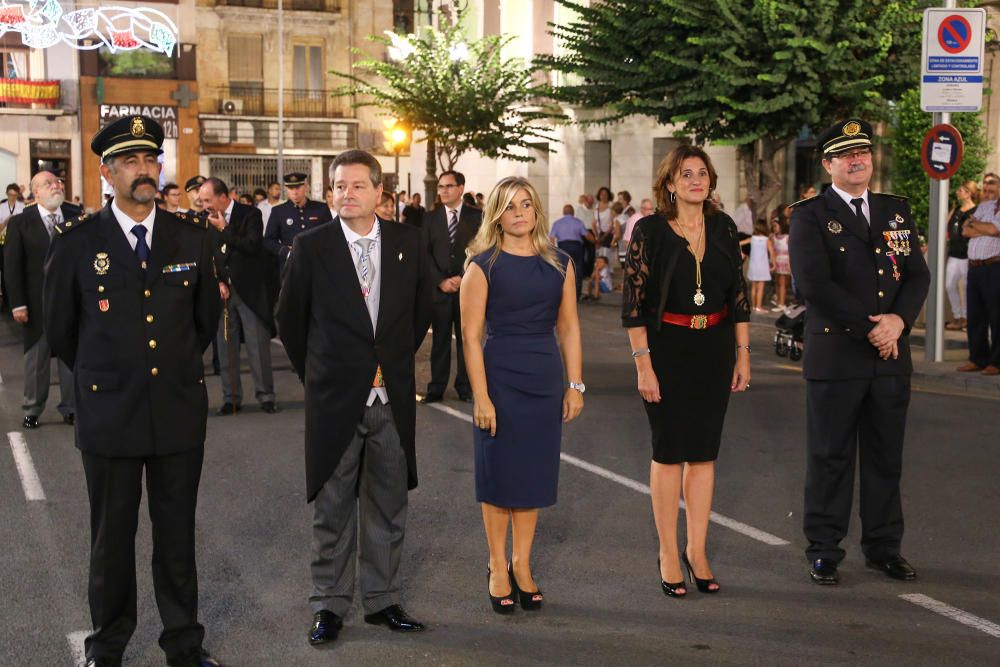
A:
[248,100]
[290,5]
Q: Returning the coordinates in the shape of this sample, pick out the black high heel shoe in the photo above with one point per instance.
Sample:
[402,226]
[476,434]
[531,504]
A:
[503,604]
[677,590]
[704,585]
[529,601]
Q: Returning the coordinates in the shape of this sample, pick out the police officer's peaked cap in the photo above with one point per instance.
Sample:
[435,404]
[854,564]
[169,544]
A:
[128,135]
[295,178]
[194,183]
[845,135]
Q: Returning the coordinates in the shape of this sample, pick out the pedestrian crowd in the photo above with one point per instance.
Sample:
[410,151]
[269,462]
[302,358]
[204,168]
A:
[130,297]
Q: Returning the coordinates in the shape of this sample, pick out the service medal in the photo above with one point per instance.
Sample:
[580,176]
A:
[834,227]
[102,263]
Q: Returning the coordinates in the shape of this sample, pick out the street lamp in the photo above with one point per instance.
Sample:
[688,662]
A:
[398,139]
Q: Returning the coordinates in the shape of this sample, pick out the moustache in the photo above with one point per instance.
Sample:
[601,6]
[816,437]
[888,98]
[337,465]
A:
[142,180]
[856,167]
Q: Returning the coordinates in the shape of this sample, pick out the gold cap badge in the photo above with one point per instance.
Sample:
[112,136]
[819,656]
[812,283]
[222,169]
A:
[852,128]
[138,127]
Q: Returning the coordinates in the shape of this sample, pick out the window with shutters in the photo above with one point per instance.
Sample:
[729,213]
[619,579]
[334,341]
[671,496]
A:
[246,71]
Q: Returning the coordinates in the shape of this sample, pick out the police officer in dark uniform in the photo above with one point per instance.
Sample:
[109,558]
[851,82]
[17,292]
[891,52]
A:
[295,215]
[856,258]
[191,187]
[131,301]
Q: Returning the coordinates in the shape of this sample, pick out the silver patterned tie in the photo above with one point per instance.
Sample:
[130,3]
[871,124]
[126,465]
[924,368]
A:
[452,227]
[365,263]
[51,227]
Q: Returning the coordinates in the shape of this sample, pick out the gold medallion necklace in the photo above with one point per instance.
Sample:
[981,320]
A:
[699,297]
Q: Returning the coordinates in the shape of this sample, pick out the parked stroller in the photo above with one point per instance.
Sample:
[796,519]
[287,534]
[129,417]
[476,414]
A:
[790,332]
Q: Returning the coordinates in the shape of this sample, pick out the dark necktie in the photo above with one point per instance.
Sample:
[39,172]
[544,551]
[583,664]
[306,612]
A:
[53,220]
[141,248]
[452,227]
[857,209]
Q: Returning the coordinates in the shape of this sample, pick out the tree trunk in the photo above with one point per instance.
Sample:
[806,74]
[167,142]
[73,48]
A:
[430,178]
[762,177]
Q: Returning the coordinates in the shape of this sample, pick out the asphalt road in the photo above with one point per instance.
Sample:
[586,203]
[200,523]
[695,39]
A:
[595,553]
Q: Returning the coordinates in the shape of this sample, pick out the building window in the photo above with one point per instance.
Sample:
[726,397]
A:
[307,68]
[14,64]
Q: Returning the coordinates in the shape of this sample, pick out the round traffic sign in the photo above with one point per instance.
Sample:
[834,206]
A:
[941,151]
[954,34]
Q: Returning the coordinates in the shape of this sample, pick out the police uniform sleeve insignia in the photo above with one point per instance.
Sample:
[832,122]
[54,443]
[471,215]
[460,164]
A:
[834,227]
[70,225]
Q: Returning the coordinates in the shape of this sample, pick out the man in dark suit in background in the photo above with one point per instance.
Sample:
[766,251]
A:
[450,228]
[856,259]
[130,302]
[354,307]
[245,289]
[28,236]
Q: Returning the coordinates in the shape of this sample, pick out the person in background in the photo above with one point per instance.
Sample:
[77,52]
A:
[571,235]
[413,213]
[599,281]
[13,205]
[982,229]
[273,199]
[480,200]
[259,195]
[468,199]
[386,209]
[328,195]
[957,268]
[807,192]
[247,200]
[191,189]
[404,200]
[624,198]
[646,209]
[172,198]
[761,263]
[621,244]
[296,215]
[743,217]
[782,263]
[520,290]
[585,211]
[604,225]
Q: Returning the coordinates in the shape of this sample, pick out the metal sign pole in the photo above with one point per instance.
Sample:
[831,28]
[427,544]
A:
[936,259]
[281,92]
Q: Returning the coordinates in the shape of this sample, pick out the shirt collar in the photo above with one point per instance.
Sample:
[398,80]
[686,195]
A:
[127,223]
[45,213]
[353,236]
[457,209]
[847,198]
[229,209]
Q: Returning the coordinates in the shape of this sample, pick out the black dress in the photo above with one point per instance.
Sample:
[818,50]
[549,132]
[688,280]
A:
[694,367]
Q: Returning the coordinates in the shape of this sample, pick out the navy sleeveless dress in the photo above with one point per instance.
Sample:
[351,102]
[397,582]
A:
[519,467]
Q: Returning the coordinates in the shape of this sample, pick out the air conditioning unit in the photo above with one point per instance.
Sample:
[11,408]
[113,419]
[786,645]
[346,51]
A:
[231,107]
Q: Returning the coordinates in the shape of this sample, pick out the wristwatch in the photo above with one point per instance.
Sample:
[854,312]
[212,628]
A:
[579,386]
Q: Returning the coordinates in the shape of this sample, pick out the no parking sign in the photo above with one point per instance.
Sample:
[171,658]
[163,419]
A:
[952,60]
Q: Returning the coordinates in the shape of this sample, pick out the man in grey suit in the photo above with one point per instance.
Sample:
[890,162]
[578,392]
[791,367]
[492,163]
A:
[28,237]
[353,309]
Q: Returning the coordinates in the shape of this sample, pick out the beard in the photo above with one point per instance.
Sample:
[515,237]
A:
[54,201]
[142,199]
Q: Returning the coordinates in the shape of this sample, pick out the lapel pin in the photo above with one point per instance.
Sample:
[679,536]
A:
[834,227]
[401,257]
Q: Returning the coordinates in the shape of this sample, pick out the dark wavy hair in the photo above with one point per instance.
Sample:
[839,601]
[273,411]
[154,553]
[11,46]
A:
[670,168]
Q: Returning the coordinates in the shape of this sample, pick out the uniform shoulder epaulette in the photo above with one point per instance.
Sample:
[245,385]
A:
[73,223]
[803,201]
[195,220]
[899,197]
[30,204]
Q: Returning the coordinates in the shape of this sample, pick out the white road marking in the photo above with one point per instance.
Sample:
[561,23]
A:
[75,640]
[25,467]
[954,613]
[732,524]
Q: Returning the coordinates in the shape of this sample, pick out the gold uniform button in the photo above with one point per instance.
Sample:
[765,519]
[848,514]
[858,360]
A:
[842,249]
[152,343]
[881,272]
[100,288]
[147,294]
[878,251]
[186,283]
[881,294]
[93,387]
[149,318]
[154,371]
[826,329]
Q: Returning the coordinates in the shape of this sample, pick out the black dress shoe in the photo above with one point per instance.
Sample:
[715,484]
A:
[894,567]
[431,398]
[394,617]
[69,420]
[227,409]
[326,625]
[30,421]
[103,662]
[824,572]
[269,407]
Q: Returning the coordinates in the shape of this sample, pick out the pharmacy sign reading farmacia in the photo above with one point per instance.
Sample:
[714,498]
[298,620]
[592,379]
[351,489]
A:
[44,23]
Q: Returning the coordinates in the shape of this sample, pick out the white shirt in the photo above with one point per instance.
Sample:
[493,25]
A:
[229,210]
[458,213]
[743,217]
[374,288]
[865,209]
[127,223]
[265,207]
[6,213]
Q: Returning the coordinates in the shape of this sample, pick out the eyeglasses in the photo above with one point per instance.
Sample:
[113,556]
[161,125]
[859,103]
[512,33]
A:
[447,186]
[855,155]
[991,182]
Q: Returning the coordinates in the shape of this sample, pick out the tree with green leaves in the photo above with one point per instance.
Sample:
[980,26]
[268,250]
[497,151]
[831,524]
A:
[749,73]
[909,124]
[460,92]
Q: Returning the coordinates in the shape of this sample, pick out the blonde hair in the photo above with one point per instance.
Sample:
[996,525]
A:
[973,189]
[490,235]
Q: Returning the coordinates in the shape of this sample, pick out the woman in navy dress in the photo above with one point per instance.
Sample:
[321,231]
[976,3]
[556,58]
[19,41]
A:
[521,290]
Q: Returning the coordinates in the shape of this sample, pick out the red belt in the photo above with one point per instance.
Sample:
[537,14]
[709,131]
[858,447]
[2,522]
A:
[696,321]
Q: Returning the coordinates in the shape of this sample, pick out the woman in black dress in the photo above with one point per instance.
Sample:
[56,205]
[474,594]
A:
[686,310]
